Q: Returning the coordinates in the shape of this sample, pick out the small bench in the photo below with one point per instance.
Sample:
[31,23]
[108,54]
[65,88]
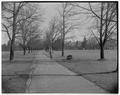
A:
[69,57]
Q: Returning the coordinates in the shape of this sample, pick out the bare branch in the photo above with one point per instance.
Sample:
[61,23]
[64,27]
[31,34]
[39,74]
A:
[95,37]
[7,31]
[98,16]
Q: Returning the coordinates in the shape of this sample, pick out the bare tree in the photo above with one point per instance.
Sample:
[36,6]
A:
[10,13]
[105,15]
[14,14]
[27,35]
[106,25]
[28,27]
[53,33]
[66,25]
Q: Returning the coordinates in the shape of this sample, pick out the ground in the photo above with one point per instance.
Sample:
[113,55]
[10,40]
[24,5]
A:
[85,63]
[12,80]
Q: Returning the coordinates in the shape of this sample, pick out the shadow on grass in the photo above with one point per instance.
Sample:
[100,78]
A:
[115,89]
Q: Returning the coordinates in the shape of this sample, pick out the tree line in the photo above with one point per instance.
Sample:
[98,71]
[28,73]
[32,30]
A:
[22,22]
[104,28]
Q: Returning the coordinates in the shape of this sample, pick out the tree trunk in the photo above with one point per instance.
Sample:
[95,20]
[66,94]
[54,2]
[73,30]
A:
[101,42]
[13,34]
[101,52]
[11,52]
[24,51]
[12,47]
[63,35]
[50,50]
[63,46]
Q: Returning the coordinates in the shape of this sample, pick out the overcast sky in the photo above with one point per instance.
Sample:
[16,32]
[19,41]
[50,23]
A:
[50,10]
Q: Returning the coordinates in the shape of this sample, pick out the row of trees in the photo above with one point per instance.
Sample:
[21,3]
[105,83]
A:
[59,26]
[33,46]
[85,44]
[20,21]
[105,22]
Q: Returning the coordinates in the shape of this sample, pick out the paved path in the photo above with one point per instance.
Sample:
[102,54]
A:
[51,77]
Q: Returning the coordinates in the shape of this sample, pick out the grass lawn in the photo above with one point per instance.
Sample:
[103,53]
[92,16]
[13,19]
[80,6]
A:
[12,81]
[86,64]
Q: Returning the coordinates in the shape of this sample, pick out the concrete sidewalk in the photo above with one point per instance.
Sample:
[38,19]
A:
[50,77]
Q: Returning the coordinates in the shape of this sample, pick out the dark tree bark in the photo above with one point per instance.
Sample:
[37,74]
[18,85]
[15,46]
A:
[101,27]
[63,33]
[63,44]
[50,53]
[50,50]
[101,52]
[11,52]
[24,50]
[13,35]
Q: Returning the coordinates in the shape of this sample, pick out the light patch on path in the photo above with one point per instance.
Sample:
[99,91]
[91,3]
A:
[58,84]
[63,84]
[52,68]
